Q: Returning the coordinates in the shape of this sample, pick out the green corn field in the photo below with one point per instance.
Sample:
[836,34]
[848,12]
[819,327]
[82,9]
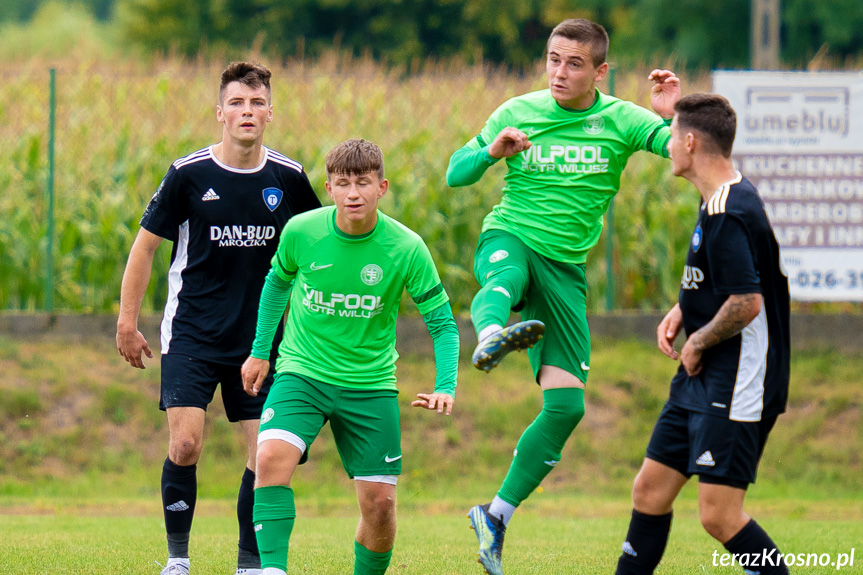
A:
[119,128]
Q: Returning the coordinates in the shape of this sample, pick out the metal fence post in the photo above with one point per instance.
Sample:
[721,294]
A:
[49,255]
[609,230]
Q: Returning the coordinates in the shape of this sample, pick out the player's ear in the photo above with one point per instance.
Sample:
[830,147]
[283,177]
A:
[270,114]
[220,117]
[329,188]
[601,72]
[690,141]
[384,186]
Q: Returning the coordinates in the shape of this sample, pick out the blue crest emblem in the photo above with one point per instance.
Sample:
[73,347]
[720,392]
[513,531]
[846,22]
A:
[696,238]
[273,197]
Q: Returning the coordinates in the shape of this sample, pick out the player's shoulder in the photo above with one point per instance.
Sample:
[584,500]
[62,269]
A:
[283,160]
[193,159]
[737,197]
[397,230]
[541,99]
[311,218]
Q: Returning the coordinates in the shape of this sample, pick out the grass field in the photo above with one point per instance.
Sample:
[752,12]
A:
[81,446]
[563,536]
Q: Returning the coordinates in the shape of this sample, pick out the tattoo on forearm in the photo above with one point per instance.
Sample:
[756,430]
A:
[730,320]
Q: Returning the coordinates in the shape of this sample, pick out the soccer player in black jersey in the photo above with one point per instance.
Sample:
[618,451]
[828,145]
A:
[223,207]
[732,382]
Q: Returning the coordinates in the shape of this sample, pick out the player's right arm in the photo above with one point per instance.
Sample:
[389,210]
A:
[469,163]
[271,309]
[130,341]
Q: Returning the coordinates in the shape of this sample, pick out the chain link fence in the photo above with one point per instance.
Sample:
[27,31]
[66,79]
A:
[118,130]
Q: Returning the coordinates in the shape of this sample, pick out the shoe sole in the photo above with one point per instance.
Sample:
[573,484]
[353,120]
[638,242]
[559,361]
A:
[517,337]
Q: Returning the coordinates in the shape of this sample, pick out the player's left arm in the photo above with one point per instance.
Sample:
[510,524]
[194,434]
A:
[732,267]
[664,93]
[736,313]
[444,332]
[425,288]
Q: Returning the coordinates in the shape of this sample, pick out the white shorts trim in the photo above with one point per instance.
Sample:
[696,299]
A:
[282,435]
[388,479]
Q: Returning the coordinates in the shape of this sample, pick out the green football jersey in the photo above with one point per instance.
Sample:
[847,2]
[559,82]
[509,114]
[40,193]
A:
[557,191]
[341,327]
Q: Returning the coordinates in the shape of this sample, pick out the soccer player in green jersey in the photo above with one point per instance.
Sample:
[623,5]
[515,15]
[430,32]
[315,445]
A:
[349,265]
[565,149]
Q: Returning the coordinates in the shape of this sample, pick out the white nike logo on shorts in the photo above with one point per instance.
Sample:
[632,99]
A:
[389,459]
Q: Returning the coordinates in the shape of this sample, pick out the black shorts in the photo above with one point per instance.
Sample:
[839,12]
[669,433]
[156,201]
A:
[190,382]
[717,449]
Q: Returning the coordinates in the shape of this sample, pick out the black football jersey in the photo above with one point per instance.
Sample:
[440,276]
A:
[225,225]
[734,251]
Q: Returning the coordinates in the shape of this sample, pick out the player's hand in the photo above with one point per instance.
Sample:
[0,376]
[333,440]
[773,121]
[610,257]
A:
[432,401]
[665,92]
[690,358]
[130,344]
[509,142]
[254,372]
[667,331]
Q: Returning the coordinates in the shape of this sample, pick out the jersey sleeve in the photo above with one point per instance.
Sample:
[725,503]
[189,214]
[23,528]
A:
[422,282]
[730,256]
[284,261]
[444,332]
[167,209]
[645,130]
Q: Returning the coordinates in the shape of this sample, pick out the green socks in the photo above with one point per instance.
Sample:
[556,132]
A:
[490,306]
[368,562]
[274,519]
[539,448]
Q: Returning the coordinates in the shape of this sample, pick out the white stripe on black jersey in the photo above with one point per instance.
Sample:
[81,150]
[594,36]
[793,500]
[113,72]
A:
[225,224]
[734,251]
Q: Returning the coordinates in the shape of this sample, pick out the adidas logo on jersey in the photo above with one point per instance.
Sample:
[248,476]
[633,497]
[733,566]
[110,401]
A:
[210,195]
[178,506]
[706,459]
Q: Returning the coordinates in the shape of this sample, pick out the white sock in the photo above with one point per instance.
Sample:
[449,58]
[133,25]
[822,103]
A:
[502,509]
[494,328]
[273,571]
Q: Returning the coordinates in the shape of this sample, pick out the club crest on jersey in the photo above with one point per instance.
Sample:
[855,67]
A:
[697,236]
[497,256]
[593,124]
[273,197]
[372,274]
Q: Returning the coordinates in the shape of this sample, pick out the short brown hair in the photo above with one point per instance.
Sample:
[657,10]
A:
[712,116]
[246,73]
[586,32]
[355,157]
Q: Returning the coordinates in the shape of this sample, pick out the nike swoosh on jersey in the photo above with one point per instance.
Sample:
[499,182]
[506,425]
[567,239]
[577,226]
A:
[585,367]
[315,268]
[389,459]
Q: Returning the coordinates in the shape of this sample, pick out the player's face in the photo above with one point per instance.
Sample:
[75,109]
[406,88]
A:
[356,197]
[572,77]
[245,112]
[678,150]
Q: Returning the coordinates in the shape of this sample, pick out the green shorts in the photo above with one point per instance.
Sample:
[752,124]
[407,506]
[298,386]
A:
[552,292]
[365,424]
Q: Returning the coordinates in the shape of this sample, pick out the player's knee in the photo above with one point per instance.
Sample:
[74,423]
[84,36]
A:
[718,524]
[566,416]
[185,450]
[378,506]
[643,494]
